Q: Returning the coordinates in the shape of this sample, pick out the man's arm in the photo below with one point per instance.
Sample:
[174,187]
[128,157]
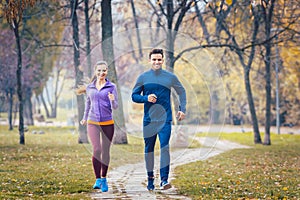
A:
[181,93]
[137,90]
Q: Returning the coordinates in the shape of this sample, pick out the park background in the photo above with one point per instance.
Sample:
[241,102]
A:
[238,61]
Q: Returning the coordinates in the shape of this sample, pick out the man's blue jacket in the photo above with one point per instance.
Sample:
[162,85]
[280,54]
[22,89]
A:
[158,82]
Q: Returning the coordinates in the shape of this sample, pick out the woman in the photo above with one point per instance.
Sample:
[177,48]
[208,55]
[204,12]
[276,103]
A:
[101,99]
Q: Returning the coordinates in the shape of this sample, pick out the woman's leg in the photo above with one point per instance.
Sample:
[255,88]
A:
[106,140]
[94,135]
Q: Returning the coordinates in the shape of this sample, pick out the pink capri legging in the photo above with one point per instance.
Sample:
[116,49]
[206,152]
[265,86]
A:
[101,138]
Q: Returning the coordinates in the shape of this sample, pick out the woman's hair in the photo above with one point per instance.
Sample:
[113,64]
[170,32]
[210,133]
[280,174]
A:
[82,88]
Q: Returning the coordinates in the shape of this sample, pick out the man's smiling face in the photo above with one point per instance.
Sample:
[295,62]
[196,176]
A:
[156,61]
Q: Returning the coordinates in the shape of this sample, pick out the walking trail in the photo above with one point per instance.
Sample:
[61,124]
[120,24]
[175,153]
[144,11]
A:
[129,181]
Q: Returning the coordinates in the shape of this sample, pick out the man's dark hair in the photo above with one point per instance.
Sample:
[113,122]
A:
[156,51]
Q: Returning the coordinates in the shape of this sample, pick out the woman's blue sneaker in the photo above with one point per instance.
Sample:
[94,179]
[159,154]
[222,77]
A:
[164,185]
[104,186]
[150,185]
[97,184]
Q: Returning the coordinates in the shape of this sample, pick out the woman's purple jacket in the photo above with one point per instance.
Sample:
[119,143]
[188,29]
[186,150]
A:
[98,107]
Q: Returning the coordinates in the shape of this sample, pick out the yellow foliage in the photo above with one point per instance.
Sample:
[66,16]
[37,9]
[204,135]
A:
[229,2]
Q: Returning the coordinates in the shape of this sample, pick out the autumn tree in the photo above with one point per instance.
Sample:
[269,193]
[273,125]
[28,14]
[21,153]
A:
[13,12]
[108,55]
[78,72]
[280,19]
[88,36]
[228,34]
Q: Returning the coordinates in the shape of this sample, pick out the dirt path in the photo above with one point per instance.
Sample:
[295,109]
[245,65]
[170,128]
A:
[129,181]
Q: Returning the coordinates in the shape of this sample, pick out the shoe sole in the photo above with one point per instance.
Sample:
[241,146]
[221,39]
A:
[165,187]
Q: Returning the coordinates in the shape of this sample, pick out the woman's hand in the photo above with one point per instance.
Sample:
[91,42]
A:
[83,122]
[111,96]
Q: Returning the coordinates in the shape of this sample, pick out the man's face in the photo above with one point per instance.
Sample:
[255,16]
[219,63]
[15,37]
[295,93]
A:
[156,61]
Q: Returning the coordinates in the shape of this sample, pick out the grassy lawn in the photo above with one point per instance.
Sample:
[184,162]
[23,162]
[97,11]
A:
[53,165]
[261,172]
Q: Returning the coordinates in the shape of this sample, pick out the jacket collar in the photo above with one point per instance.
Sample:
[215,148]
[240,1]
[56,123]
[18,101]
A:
[93,84]
[158,71]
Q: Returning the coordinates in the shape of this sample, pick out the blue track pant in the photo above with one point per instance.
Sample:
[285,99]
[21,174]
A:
[150,132]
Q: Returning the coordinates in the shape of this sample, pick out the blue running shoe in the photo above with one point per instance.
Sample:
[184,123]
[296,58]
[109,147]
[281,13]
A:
[104,186]
[164,185]
[150,185]
[97,184]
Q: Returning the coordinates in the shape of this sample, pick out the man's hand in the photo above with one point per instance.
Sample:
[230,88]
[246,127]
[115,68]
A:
[152,98]
[180,116]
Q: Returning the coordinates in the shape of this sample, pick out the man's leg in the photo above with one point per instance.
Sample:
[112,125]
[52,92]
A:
[149,154]
[164,138]
[149,133]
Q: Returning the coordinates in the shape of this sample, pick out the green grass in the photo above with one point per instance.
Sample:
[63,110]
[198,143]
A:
[53,165]
[261,172]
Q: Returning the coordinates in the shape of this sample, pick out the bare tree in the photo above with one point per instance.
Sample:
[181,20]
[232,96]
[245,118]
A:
[267,13]
[174,16]
[13,11]
[108,54]
[78,73]
[88,37]
[57,81]
[135,17]
[215,41]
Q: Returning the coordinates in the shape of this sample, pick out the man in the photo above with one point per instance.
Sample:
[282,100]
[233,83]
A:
[153,88]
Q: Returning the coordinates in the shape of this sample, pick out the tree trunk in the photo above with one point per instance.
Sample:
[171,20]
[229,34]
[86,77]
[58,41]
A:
[28,107]
[246,69]
[137,29]
[257,138]
[267,140]
[10,109]
[120,136]
[44,104]
[78,73]
[88,37]
[202,23]
[19,82]
[268,14]
[135,57]
[55,95]
[170,40]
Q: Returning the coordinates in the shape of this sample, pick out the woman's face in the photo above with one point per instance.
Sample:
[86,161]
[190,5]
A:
[101,71]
